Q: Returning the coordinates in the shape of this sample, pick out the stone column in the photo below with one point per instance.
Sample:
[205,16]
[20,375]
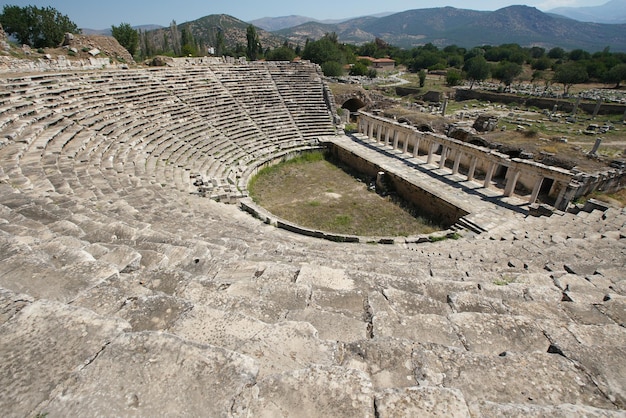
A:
[489,175]
[370,130]
[396,138]
[416,145]
[387,133]
[431,151]
[457,161]
[576,106]
[597,108]
[558,204]
[472,168]
[442,161]
[594,150]
[405,144]
[536,189]
[511,181]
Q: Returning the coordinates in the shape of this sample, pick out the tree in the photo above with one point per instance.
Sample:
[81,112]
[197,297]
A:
[556,53]
[254,45]
[332,69]
[569,74]
[126,36]
[175,37]
[146,45]
[284,53]
[220,46]
[188,43]
[579,55]
[616,75]
[477,69]
[427,59]
[36,27]
[542,63]
[422,77]
[506,72]
[326,49]
[358,69]
[453,77]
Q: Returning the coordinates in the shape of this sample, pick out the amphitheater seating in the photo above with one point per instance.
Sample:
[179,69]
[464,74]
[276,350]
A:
[122,293]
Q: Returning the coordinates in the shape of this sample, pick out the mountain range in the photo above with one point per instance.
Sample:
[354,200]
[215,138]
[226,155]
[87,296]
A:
[443,26]
[612,12]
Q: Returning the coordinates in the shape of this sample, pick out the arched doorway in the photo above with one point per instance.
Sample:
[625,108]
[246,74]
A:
[353,105]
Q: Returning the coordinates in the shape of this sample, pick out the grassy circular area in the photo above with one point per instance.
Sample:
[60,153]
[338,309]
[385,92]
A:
[314,193]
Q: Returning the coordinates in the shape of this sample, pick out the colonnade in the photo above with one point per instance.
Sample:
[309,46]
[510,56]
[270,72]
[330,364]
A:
[428,146]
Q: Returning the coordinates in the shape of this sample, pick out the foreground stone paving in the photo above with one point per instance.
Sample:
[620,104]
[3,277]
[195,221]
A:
[123,294]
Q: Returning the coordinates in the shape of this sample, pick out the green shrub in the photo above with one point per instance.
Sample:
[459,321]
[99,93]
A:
[332,69]
[531,133]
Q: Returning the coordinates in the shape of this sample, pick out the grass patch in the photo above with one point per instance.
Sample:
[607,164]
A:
[615,199]
[504,281]
[437,238]
[312,192]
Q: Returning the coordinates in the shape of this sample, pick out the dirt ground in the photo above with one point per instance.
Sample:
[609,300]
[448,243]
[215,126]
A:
[322,196]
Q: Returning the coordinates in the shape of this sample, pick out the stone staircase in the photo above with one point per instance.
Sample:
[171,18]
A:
[121,293]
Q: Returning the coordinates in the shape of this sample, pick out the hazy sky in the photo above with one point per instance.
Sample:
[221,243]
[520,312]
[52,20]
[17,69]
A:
[102,14]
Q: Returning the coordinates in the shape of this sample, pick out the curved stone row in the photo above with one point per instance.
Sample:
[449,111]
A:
[122,293]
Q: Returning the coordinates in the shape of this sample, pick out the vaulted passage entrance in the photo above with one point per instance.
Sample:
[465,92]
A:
[353,105]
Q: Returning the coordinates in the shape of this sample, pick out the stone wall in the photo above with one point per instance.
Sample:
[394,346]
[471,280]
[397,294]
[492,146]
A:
[437,208]
[540,102]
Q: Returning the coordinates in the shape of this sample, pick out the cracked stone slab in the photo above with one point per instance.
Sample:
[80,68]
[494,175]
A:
[387,322]
[43,345]
[125,258]
[111,295]
[41,279]
[351,303]
[472,302]
[596,349]
[154,312]
[11,303]
[325,277]
[155,374]
[495,334]
[387,361]
[408,303]
[226,329]
[518,378]
[586,313]
[288,346]
[313,392]
[255,300]
[421,402]
[330,325]
[614,308]
[277,347]
[490,409]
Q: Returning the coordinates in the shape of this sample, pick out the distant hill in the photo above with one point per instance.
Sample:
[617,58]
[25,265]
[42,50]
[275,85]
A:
[273,24]
[206,28]
[612,12]
[447,25]
[107,32]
